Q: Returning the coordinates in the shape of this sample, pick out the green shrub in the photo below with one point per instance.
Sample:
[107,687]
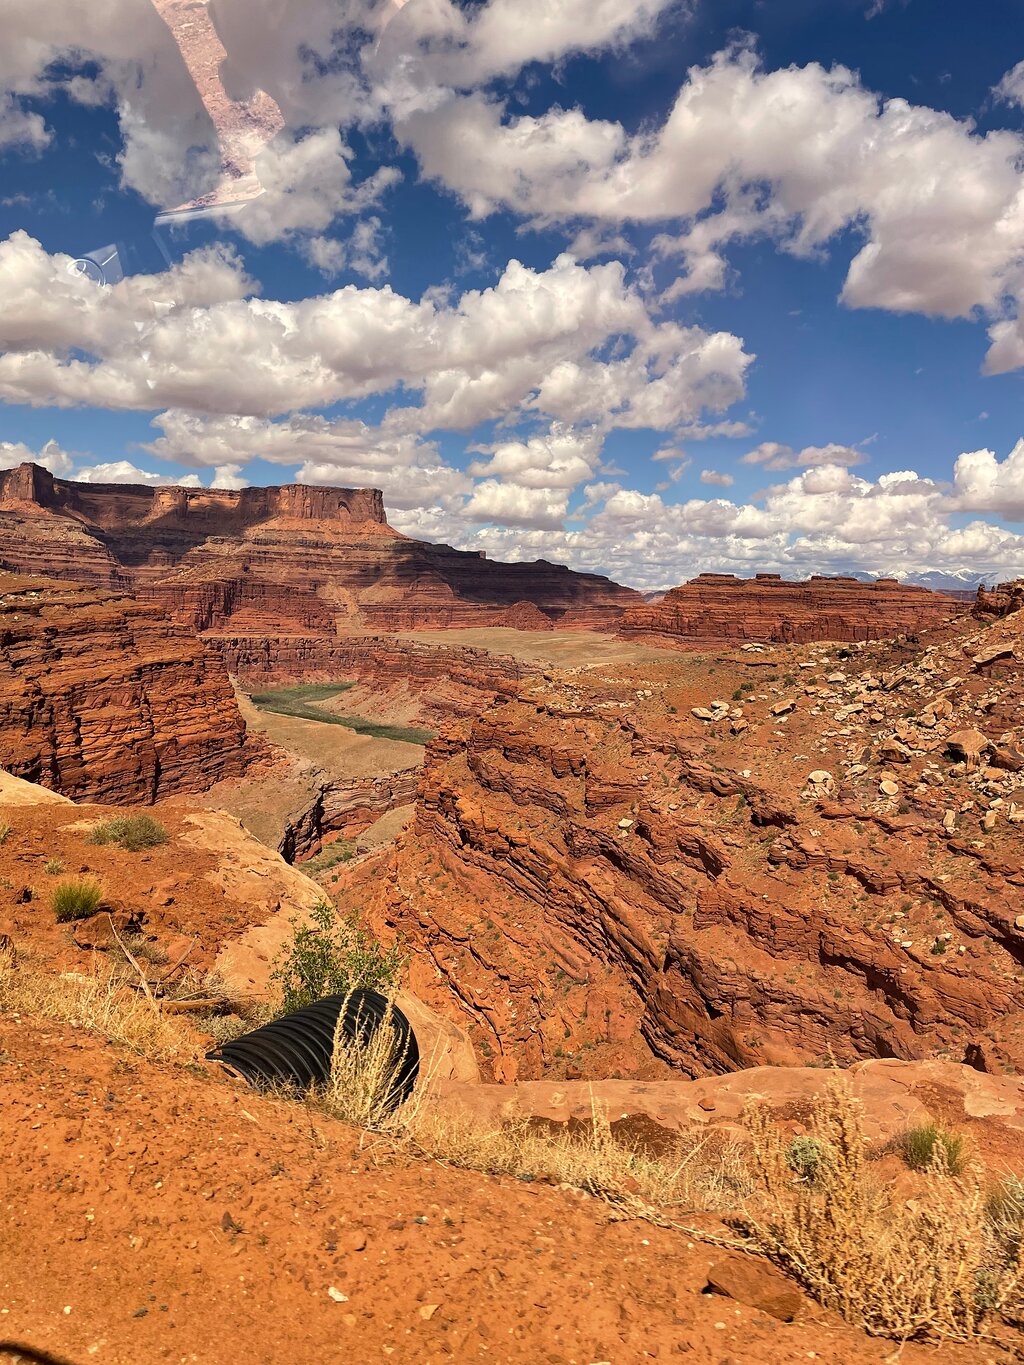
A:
[928,1144]
[77,899]
[332,954]
[5,831]
[53,867]
[340,851]
[131,832]
[804,1156]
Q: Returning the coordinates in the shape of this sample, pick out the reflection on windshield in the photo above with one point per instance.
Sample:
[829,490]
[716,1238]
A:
[244,125]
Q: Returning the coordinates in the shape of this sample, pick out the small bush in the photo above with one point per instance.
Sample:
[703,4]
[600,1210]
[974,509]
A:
[77,899]
[341,851]
[927,1145]
[5,831]
[223,1028]
[332,955]
[804,1156]
[53,867]
[933,1266]
[131,832]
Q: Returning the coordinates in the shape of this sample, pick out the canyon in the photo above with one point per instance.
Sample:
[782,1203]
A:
[675,869]
[104,697]
[297,560]
[666,882]
[431,681]
[714,608]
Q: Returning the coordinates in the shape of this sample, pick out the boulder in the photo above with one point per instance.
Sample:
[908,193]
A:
[968,746]
[757,1284]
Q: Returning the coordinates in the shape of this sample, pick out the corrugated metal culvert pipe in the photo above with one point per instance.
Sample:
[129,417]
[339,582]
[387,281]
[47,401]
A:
[297,1048]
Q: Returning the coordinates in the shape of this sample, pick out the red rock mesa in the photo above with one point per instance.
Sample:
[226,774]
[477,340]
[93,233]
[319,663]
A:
[273,561]
[714,608]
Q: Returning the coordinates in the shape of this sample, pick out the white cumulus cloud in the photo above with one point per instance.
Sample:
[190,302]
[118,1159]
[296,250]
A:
[775,456]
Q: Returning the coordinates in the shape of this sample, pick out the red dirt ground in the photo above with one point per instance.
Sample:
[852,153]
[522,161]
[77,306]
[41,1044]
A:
[151,1214]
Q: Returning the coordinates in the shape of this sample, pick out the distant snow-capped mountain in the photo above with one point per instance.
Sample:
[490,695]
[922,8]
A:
[960,580]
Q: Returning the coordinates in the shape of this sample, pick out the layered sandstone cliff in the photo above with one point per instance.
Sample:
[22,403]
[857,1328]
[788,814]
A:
[345,807]
[103,697]
[437,681]
[616,871]
[715,608]
[278,560]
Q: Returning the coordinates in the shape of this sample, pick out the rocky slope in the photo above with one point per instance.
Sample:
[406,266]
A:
[716,608]
[102,696]
[617,872]
[345,807]
[273,561]
[128,1141]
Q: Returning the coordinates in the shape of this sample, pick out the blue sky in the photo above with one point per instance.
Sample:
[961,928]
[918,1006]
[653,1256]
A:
[636,285]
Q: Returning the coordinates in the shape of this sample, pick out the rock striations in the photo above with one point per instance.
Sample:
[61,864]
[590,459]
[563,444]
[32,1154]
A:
[658,876]
[105,698]
[715,608]
[266,561]
[436,681]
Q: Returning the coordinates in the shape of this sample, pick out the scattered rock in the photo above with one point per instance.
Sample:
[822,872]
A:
[756,1284]
[1006,758]
[968,746]
[820,783]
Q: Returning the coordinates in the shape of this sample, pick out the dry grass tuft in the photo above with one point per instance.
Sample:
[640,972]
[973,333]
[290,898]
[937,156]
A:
[133,833]
[103,1002]
[918,1148]
[700,1172]
[366,1076]
[929,1266]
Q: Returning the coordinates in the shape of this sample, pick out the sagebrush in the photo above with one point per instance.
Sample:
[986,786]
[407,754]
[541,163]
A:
[931,1266]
